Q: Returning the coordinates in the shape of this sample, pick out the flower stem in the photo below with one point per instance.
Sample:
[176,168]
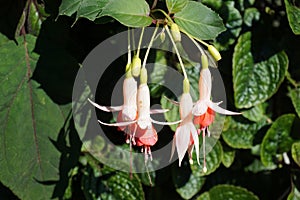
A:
[177,52]
[196,44]
[165,14]
[140,42]
[149,46]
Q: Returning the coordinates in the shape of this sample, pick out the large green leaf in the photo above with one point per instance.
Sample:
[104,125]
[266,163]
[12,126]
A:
[295,96]
[175,6]
[199,21]
[241,132]
[222,192]
[296,152]
[188,182]
[254,83]
[255,113]
[277,140]
[293,14]
[134,13]
[228,156]
[28,118]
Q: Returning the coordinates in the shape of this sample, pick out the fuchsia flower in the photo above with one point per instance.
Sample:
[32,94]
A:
[134,116]
[204,109]
[186,137]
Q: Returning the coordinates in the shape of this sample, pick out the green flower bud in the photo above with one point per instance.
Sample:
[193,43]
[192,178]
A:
[214,52]
[162,36]
[136,66]
[186,86]
[143,76]
[128,70]
[175,32]
[204,61]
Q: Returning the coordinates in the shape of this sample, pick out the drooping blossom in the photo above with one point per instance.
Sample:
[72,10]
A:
[186,137]
[204,110]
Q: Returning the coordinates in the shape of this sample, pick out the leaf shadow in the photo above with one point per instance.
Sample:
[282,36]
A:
[69,145]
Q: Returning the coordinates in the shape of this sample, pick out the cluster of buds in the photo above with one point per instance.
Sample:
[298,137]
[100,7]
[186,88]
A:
[195,117]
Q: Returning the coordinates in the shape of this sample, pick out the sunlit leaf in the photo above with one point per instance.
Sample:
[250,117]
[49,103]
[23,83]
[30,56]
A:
[251,15]
[293,14]
[199,21]
[175,6]
[222,192]
[255,113]
[28,120]
[277,140]
[295,96]
[296,152]
[254,83]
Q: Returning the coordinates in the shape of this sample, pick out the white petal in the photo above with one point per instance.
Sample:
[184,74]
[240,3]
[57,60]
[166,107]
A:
[158,111]
[186,105]
[200,108]
[165,123]
[106,108]
[144,123]
[182,141]
[129,113]
[117,124]
[218,109]
[173,146]
[205,84]
[196,140]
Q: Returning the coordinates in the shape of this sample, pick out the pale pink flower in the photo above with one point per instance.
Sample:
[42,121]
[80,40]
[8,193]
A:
[186,137]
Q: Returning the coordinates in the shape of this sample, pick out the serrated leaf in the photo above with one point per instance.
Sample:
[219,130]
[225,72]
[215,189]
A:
[277,140]
[241,132]
[28,118]
[255,113]
[175,6]
[133,13]
[250,15]
[293,14]
[221,192]
[199,21]
[228,156]
[187,181]
[254,83]
[83,8]
[233,23]
[295,96]
[296,152]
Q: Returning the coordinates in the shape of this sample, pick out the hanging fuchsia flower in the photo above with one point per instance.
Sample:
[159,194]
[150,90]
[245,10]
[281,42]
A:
[128,111]
[186,137]
[204,109]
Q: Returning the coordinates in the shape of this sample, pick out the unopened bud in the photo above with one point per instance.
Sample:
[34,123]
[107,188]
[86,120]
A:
[175,32]
[204,170]
[136,66]
[186,86]
[143,76]
[204,61]
[214,52]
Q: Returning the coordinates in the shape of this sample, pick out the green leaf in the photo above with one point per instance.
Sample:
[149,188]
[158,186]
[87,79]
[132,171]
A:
[187,181]
[255,113]
[214,4]
[35,18]
[254,83]
[173,114]
[295,96]
[228,156]
[241,132]
[133,13]
[221,192]
[250,15]
[295,194]
[175,6]
[293,14]
[277,140]
[199,21]
[257,166]
[28,118]
[296,152]
[233,23]
[83,8]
